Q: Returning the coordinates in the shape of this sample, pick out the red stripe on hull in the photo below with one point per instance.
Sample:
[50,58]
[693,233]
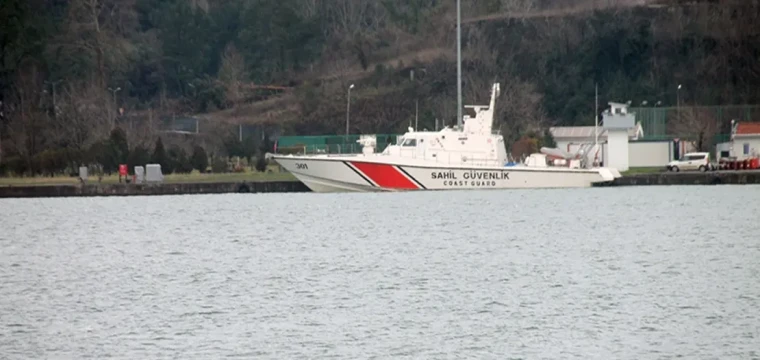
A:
[385,176]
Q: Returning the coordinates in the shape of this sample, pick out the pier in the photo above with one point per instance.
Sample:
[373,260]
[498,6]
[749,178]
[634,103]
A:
[690,178]
[39,191]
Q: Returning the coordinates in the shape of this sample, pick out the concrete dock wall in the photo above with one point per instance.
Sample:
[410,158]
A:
[683,178]
[691,178]
[152,189]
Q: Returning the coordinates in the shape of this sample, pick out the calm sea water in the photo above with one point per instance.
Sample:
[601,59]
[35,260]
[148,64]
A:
[616,273]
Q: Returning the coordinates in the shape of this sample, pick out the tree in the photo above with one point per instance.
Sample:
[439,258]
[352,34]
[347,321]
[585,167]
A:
[139,156]
[232,74]
[181,163]
[548,139]
[199,159]
[697,125]
[266,146]
[117,150]
[160,157]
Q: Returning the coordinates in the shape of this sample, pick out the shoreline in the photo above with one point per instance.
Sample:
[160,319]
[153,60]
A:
[720,177]
[745,177]
[186,188]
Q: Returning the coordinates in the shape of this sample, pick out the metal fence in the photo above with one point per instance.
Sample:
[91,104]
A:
[331,144]
[656,120]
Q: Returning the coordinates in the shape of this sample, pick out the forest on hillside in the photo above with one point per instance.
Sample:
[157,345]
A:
[71,71]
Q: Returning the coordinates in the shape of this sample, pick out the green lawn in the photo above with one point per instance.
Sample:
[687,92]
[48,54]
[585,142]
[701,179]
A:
[194,177]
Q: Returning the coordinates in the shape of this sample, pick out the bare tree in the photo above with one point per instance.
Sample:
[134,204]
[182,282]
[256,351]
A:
[695,124]
[83,119]
[232,73]
[27,120]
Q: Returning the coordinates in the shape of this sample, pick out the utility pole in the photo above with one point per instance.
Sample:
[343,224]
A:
[416,102]
[596,117]
[459,64]
[416,114]
[678,102]
[1,132]
[114,91]
[53,85]
[348,109]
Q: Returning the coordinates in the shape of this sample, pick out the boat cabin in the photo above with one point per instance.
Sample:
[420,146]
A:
[476,143]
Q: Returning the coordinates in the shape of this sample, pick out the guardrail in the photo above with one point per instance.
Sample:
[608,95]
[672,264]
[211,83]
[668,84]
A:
[449,157]
[335,149]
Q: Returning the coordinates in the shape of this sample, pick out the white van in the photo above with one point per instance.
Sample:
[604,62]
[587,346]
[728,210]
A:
[692,161]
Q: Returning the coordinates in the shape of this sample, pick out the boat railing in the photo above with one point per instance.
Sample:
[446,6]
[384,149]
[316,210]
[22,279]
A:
[463,158]
[328,149]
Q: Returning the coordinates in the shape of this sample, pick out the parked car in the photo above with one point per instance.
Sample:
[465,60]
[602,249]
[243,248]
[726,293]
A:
[692,161]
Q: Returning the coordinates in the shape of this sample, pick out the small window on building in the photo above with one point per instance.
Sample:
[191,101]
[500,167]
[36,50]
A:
[746,148]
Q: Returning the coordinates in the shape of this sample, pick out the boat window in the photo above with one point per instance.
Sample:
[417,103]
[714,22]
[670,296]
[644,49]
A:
[410,142]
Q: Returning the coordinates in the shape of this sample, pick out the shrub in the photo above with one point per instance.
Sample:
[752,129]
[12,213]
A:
[199,159]
[139,156]
[160,157]
[219,165]
[261,163]
[181,163]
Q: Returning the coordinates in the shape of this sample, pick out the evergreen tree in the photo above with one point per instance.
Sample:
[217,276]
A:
[199,159]
[117,150]
[139,156]
[160,157]
[179,160]
[548,139]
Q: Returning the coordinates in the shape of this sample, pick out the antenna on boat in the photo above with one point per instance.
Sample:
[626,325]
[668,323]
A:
[596,117]
[459,65]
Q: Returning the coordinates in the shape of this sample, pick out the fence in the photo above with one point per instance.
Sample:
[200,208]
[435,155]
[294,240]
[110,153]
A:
[655,120]
[330,144]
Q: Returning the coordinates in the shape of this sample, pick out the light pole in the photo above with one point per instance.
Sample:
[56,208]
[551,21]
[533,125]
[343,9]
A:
[1,132]
[678,102]
[53,84]
[348,108]
[459,65]
[114,91]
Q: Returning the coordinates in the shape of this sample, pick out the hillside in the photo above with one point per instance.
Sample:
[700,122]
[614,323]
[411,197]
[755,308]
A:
[61,63]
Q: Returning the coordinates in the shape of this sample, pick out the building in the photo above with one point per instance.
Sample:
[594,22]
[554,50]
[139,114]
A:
[641,152]
[745,142]
[629,147]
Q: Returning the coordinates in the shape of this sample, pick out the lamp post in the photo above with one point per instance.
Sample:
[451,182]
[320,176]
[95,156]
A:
[459,65]
[114,91]
[1,132]
[53,84]
[348,109]
[678,102]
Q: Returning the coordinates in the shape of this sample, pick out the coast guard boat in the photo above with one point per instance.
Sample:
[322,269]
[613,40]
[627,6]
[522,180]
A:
[470,157]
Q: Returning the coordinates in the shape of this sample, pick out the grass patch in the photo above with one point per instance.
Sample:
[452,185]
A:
[194,177]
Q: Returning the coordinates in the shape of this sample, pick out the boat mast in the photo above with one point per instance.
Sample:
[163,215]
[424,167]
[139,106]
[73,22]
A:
[459,65]
[596,117]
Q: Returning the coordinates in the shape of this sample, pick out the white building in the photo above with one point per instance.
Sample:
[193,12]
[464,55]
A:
[745,142]
[633,150]
[641,152]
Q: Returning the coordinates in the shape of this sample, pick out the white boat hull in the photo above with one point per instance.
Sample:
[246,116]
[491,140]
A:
[363,174]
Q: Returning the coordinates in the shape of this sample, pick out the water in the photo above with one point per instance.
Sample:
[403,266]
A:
[619,273]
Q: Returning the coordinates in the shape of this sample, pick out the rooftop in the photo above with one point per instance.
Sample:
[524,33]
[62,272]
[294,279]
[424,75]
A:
[748,128]
[587,132]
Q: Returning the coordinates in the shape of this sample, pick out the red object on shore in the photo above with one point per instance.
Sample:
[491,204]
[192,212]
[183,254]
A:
[754,163]
[123,169]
